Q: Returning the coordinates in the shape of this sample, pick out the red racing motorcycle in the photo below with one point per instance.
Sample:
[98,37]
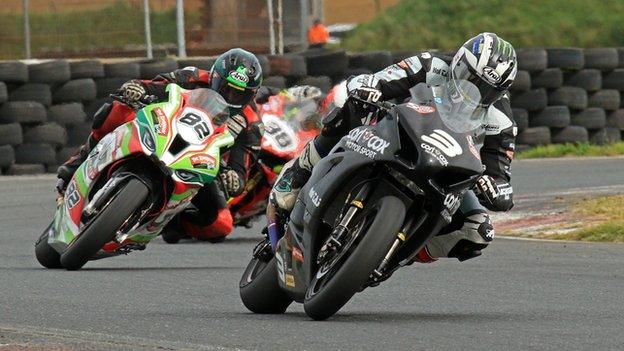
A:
[288,126]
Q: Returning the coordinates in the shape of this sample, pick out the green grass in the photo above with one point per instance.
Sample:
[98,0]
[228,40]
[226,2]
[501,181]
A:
[446,24]
[573,150]
[610,216]
[111,27]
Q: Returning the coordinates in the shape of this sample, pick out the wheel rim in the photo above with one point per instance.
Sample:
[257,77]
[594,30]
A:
[329,269]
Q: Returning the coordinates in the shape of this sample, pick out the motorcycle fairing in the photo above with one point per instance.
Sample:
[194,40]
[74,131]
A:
[367,145]
[142,136]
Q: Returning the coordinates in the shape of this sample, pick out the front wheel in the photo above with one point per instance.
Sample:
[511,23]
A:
[46,255]
[104,226]
[372,233]
[260,290]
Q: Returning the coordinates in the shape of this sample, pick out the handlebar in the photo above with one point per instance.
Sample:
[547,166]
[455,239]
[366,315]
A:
[382,105]
[140,104]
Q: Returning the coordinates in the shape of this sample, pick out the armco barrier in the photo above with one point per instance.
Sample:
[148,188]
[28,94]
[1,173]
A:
[560,95]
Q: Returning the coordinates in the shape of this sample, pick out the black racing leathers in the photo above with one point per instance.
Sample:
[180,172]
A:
[395,81]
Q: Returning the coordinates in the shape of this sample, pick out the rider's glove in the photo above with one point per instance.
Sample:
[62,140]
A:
[232,182]
[487,189]
[368,94]
[133,94]
[494,196]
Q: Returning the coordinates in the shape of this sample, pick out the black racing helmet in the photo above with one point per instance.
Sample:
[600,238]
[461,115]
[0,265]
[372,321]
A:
[488,62]
[236,75]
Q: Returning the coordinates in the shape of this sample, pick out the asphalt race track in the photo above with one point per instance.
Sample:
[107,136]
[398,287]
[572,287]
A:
[520,295]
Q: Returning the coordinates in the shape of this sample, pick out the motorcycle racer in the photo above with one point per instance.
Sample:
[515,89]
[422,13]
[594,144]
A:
[236,75]
[490,64]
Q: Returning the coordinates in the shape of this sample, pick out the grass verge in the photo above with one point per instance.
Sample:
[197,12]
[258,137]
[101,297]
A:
[609,215]
[446,24]
[573,150]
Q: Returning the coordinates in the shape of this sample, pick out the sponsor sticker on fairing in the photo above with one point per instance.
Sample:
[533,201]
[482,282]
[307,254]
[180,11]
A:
[203,161]
[373,143]
[422,109]
[163,125]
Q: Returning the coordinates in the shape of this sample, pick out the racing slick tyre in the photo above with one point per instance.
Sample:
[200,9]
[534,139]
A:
[614,120]
[590,118]
[534,136]
[521,117]
[573,97]
[128,70]
[604,59]
[150,69]
[522,81]
[107,86]
[337,280]
[588,79]
[26,169]
[374,60]
[551,116]
[47,133]
[549,78]
[7,155]
[69,113]
[105,224]
[35,154]
[327,63]
[613,135]
[13,72]
[38,92]
[570,134]
[275,82]
[76,90]
[609,99]
[4,93]
[259,288]
[46,255]
[532,59]
[11,134]
[288,65]
[86,69]
[22,112]
[532,100]
[565,58]
[56,71]
[614,80]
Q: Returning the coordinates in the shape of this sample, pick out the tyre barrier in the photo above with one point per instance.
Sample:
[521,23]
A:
[560,95]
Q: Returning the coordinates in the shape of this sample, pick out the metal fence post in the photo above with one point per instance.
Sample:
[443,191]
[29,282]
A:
[180,27]
[280,29]
[271,27]
[27,30]
[304,23]
[148,30]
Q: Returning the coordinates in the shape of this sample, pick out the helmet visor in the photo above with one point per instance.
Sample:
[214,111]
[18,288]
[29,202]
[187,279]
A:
[488,92]
[234,95]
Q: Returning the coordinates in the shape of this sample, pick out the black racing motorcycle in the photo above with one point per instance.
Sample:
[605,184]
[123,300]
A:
[371,204]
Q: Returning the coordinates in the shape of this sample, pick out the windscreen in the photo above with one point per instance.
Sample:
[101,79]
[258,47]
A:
[457,103]
[210,102]
[302,115]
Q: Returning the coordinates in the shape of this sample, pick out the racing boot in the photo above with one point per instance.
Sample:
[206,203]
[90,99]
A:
[293,177]
[65,172]
[465,243]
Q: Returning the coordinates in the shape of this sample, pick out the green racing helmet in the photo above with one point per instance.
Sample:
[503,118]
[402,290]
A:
[236,75]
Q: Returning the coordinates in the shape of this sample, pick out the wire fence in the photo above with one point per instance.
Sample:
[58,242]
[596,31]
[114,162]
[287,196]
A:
[115,28]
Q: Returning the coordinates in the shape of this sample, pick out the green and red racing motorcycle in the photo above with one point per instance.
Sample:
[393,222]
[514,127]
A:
[137,178]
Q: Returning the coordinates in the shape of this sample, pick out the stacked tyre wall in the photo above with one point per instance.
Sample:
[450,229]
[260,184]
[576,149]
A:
[560,95]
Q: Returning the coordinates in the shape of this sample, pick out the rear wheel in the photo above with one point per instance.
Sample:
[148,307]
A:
[259,287]
[344,273]
[46,255]
[104,226]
